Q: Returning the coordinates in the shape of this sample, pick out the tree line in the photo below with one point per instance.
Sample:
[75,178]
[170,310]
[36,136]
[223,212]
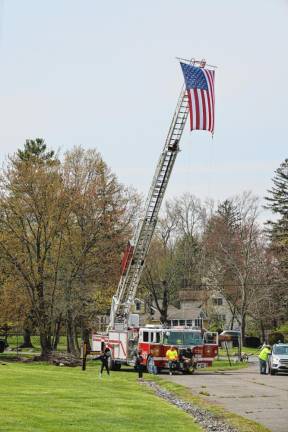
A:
[64,223]
[224,249]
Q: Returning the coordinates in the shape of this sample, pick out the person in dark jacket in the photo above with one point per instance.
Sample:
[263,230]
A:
[104,357]
[139,364]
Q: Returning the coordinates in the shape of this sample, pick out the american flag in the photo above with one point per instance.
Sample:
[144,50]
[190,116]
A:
[200,89]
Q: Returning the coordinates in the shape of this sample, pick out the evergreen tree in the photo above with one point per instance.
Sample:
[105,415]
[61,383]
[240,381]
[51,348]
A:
[35,150]
[277,202]
[229,214]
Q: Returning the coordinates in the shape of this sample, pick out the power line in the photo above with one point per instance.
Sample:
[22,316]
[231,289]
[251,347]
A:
[235,285]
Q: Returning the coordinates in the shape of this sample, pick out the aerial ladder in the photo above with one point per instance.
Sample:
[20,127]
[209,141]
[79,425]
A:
[137,250]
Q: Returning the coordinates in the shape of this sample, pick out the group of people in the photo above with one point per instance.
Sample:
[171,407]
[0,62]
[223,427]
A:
[172,357]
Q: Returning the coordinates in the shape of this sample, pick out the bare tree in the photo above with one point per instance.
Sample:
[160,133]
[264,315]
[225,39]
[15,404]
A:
[232,239]
[176,257]
[97,229]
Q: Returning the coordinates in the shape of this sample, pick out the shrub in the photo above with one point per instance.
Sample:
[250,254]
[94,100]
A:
[275,337]
[252,342]
[283,329]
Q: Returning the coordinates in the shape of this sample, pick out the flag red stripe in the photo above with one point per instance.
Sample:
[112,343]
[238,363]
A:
[190,109]
[210,113]
[197,109]
[203,109]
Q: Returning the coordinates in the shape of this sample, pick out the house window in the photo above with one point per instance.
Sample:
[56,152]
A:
[175,322]
[182,322]
[138,306]
[198,322]
[145,336]
[217,301]
[169,323]
[189,323]
[157,337]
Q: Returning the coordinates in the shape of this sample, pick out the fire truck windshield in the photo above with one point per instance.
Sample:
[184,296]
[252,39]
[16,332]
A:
[183,338]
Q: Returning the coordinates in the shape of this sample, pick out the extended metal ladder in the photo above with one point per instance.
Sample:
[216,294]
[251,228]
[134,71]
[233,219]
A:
[126,291]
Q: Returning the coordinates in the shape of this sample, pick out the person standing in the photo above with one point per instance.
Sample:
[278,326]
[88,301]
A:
[139,364]
[152,368]
[172,358]
[263,358]
[187,357]
[104,357]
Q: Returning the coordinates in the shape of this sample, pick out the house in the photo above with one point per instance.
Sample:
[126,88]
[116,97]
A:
[218,310]
[199,308]
[194,308]
[188,313]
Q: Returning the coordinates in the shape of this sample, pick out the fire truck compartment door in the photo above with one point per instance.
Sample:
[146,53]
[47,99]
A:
[119,342]
[97,341]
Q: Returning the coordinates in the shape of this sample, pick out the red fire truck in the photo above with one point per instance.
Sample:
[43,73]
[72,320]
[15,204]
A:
[195,347]
[124,335]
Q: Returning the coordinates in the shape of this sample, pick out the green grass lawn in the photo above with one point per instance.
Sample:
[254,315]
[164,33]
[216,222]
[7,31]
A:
[36,397]
[234,351]
[224,365]
[15,341]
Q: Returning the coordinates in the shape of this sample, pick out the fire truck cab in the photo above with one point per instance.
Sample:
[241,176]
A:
[189,342]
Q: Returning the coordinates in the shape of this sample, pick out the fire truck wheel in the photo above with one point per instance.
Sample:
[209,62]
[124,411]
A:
[114,366]
[189,371]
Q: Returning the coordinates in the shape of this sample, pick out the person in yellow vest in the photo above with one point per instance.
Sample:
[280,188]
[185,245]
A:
[172,358]
[263,358]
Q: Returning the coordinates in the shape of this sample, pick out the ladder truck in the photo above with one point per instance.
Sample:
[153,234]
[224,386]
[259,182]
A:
[124,336]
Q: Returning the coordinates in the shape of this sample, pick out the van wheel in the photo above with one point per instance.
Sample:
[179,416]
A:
[272,372]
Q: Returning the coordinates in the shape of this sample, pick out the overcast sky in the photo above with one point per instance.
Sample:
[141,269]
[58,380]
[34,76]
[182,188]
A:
[104,75]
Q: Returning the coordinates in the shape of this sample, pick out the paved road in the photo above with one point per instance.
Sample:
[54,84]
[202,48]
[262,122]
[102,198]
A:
[262,398]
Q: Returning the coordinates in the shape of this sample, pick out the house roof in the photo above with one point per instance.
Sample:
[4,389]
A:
[185,313]
[192,295]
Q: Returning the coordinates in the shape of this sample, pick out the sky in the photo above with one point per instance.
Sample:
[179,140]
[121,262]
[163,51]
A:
[104,75]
